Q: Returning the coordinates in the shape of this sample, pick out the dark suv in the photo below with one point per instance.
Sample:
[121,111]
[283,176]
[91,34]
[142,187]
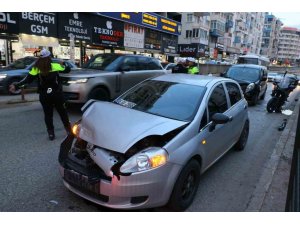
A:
[252,79]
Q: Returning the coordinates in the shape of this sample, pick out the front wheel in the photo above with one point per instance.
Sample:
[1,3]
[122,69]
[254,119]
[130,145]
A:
[99,94]
[240,145]
[272,105]
[185,187]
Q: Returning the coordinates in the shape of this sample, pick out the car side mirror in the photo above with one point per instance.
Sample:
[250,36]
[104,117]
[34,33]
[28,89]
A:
[219,118]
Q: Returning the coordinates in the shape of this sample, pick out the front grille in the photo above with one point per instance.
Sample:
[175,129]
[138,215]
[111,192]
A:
[84,185]
[71,96]
[86,167]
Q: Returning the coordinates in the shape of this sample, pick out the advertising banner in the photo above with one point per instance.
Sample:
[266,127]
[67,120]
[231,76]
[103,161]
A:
[133,36]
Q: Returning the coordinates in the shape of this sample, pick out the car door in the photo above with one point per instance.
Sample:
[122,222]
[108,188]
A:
[237,110]
[214,143]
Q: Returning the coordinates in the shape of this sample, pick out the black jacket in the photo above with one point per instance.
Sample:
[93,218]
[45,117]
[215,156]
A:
[179,68]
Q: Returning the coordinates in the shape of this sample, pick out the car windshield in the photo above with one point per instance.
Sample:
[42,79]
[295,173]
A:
[102,62]
[21,63]
[166,99]
[243,74]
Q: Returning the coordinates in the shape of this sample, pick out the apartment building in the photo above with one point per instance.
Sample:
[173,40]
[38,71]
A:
[222,34]
[270,39]
[194,38]
[289,45]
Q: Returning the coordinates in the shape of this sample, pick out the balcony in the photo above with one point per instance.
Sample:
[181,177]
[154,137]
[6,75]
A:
[229,24]
[200,14]
[216,33]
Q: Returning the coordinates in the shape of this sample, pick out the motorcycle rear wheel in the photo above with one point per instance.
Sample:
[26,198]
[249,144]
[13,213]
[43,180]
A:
[272,105]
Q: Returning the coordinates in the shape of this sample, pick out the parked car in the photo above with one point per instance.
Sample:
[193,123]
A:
[277,77]
[149,146]
[106,76]
[19,69]
[252,79]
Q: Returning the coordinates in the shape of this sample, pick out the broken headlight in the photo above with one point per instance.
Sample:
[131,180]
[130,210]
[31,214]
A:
[149,158]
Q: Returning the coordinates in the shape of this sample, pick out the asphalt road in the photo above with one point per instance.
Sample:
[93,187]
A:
[30,180]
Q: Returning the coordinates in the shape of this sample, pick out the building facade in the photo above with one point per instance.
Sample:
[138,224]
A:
[289,45]
[223,34]
[271,32]
[74,35]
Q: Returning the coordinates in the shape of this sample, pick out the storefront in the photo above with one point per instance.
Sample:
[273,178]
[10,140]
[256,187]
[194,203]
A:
[169,47]
[80,35]
[8,35]
[219,51]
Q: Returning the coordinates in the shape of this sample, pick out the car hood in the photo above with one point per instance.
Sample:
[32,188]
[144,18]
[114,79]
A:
[83,73]
[117,128]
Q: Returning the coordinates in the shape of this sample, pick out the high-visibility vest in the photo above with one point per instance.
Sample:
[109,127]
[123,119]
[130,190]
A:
[55,67]
[193,70]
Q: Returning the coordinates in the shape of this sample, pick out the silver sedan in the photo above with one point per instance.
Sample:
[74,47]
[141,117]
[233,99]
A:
[149,146]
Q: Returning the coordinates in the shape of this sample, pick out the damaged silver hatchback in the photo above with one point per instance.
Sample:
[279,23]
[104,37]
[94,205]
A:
[149,146]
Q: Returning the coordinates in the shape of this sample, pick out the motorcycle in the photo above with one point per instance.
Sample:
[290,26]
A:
[281,92]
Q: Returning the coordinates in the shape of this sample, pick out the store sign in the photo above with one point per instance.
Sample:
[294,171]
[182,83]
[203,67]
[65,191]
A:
[38,23]
[109,32]
[9,23]
[152,40]
[133,36]
[77,24]
[220,46]
[169,44]
[150,20]
[188,50]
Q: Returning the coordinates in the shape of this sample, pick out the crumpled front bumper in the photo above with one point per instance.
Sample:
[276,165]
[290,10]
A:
[145,189]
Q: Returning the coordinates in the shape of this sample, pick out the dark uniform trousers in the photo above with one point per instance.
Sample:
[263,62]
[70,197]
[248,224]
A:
[51,100]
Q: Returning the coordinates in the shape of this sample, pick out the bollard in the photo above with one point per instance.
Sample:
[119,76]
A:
[22,94]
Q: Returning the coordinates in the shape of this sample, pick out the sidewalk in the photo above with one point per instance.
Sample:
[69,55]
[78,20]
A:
[14,99]
[270,193]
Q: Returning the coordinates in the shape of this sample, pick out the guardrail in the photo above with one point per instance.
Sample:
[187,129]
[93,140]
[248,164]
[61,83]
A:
[293,195]
[217,69]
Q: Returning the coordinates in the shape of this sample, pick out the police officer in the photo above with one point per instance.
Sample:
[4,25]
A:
[49,89]
[180,67]
[192,67]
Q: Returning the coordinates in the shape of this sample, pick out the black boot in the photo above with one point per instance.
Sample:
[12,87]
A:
[68,129]
[51,135]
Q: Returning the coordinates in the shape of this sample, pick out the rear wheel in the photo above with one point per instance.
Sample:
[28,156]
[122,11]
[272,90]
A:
[99,94]
[271,106]
[185,187]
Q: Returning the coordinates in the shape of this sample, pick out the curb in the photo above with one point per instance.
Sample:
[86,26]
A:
[271,191]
